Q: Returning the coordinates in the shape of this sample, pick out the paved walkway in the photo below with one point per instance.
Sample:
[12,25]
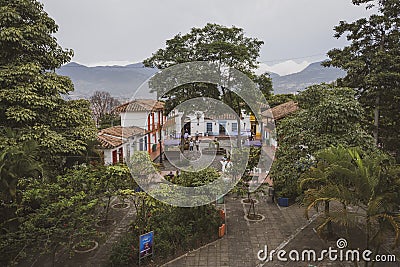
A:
[244,239]
[282,229]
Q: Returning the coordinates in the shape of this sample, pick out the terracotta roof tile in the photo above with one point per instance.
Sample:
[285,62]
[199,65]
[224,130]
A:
[281,110]
[113,136]
[140,105]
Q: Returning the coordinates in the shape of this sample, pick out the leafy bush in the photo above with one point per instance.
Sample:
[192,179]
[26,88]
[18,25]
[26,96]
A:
[124,251]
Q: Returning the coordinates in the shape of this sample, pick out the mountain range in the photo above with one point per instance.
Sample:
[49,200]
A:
[315,73]
[122,82]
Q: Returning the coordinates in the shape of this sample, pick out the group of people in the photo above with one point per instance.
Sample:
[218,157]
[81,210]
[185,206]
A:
[192,143]
[226,164]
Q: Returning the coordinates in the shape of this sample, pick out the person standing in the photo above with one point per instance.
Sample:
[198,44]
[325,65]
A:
[197,143]
[191,144]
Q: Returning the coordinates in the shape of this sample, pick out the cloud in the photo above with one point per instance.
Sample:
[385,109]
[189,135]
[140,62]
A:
[283,68]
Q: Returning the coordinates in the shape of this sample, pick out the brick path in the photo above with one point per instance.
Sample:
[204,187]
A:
[244,239]
[282,228]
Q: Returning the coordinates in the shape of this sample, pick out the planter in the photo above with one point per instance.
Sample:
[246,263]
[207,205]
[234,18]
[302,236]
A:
[86,246]
[248,201]
[120,206]
[221,231]
[105,223]
[254,217]
[283,202]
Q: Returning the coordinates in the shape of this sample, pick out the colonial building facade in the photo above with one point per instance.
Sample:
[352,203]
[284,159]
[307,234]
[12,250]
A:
[141,130]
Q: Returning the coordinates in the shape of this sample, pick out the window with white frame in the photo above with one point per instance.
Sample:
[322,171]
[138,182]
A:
[234,126]
[209,127]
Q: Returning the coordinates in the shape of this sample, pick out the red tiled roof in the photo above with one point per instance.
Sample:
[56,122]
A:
[281,110]
[140,105]
[113,136]
[107,141]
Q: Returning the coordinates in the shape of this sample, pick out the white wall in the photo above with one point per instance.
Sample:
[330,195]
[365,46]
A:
[138,119]
[202,127]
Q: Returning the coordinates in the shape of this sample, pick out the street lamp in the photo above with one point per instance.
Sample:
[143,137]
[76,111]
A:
[160,141]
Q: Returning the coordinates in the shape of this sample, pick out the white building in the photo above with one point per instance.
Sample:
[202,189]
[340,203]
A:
[140,129]
[210,125]
[118,143]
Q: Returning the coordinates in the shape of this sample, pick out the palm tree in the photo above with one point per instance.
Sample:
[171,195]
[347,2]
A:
[377,182]
[17,162]
[370,183]
[326,182]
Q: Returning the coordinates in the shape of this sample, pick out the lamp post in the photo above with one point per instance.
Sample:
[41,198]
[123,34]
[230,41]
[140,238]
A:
[160,150]
[160,141]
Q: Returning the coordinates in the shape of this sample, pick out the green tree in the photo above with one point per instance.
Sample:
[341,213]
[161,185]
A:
[329,180]
[372,62]
[328,116]
[31,93]
[17,162]
[353,177]
[227,48]
[51,215]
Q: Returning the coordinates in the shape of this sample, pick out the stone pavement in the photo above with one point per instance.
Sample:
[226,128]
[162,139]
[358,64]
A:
[282,229]
[102,255]
[244,238]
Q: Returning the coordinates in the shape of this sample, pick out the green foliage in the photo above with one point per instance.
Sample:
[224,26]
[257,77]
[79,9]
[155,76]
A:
[226,48]
[329,116]
[356,178]
[175,229]
[31,93]
[275,100]
[17,162]
[372,62]
[122,251]
[198,178]
[51,214]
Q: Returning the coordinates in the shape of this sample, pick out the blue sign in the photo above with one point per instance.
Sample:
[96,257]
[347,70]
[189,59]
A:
[146,243]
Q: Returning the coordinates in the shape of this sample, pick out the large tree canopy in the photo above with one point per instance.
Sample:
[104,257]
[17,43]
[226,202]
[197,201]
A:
[224,46]
[372,62]
[31,94]
[227,49]
[328,116]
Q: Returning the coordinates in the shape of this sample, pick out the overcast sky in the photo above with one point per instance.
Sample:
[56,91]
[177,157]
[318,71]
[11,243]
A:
[121,31]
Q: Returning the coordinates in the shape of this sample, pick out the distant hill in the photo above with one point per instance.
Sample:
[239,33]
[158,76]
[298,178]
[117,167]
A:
[120,81]
[123,81]
[315,73]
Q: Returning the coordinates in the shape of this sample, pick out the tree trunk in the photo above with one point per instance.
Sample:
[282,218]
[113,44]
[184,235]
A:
[329,225]
[376,120]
